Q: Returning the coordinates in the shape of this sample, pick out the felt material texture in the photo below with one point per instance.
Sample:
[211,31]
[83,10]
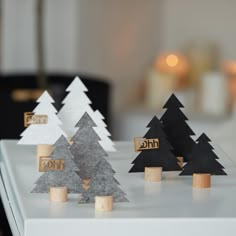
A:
[103,183]
[60,178]
[75,104]
[89,158]
[203,159]
[162,157]
[178,131]
[43,133]
[86,149]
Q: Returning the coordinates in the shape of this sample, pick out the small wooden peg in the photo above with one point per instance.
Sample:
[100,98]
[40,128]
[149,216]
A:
[70,141]
[44,150]
[180,161]
[58,194]
[201,180]
[153,174]
[103,203]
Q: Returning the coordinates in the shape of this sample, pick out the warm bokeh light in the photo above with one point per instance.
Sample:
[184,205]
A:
[172,63]
[229,67]
[172,60]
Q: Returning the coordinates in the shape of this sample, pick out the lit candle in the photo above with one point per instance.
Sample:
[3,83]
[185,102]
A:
[164,78]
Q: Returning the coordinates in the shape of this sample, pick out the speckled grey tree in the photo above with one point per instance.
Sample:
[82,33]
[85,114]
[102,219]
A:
[86,148]
[60,178]
[89,158]
[103,183]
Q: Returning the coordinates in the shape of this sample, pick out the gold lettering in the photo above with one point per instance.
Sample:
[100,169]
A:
[145,144]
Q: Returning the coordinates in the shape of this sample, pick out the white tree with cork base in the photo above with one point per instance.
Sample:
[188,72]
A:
[60,178]
[96,172]
[43,135]
[75,104]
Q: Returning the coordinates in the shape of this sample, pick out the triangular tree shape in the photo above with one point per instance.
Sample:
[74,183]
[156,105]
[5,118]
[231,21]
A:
[43,133]
[75,104]
[60,178]
[103,183]
[162,157]
[203,159]
[95,170]
[175,126]
[86,148]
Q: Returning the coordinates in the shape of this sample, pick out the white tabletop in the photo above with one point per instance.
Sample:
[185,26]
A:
[166,208]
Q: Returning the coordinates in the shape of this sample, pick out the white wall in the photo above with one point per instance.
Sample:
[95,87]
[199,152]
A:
[61,35]
[201,20]
[119,39]
[116,39]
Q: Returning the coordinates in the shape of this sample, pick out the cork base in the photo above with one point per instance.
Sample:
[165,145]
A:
[103,203]
[180,161]
[70,140]
[44,150]
[58,194]
[201,180]
[153,174]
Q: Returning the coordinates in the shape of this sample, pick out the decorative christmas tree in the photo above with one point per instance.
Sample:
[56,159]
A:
[60,178]
[86,149]
[161,157]
[103,183]
[43,133]
[203,159]
[176,128]
[76,104]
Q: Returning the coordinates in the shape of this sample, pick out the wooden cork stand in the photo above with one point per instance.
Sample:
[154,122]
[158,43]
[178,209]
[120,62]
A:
[180,161]
[58,194]
[104,203]
[44,150]
[153,174]
[201,180]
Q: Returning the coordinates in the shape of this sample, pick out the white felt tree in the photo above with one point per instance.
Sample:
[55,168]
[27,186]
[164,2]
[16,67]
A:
[75,104]
[43,133]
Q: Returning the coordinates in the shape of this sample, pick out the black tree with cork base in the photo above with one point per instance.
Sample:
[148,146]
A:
[203,159]
[160,157]
[176,128]
[203,163]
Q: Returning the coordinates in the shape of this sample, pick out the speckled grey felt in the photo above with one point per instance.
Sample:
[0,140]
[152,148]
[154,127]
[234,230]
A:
[86,149]
[60,178]
[103,184]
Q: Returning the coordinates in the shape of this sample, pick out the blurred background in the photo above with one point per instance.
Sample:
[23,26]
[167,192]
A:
[132,55]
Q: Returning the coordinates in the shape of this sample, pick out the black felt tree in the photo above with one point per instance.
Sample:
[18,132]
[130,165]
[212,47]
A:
[175,126]
[60,178]
[86,148]
[203,159]
[162,157]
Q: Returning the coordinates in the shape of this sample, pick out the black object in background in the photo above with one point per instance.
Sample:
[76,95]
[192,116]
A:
[12,109]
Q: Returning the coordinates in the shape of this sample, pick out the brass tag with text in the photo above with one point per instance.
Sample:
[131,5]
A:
[31,119]
[141,144]
[46,164]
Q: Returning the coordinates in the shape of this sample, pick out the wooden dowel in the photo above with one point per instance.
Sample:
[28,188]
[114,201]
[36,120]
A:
[153,174]
[58,194]
[104,203]
[201,180]
[44,150]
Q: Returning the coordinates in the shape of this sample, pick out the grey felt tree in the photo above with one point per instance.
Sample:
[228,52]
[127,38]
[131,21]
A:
[103,183]
[60,178]
[86,149]
[89,158]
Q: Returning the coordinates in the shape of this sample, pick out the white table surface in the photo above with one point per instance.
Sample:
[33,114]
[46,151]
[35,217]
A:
[166,208]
